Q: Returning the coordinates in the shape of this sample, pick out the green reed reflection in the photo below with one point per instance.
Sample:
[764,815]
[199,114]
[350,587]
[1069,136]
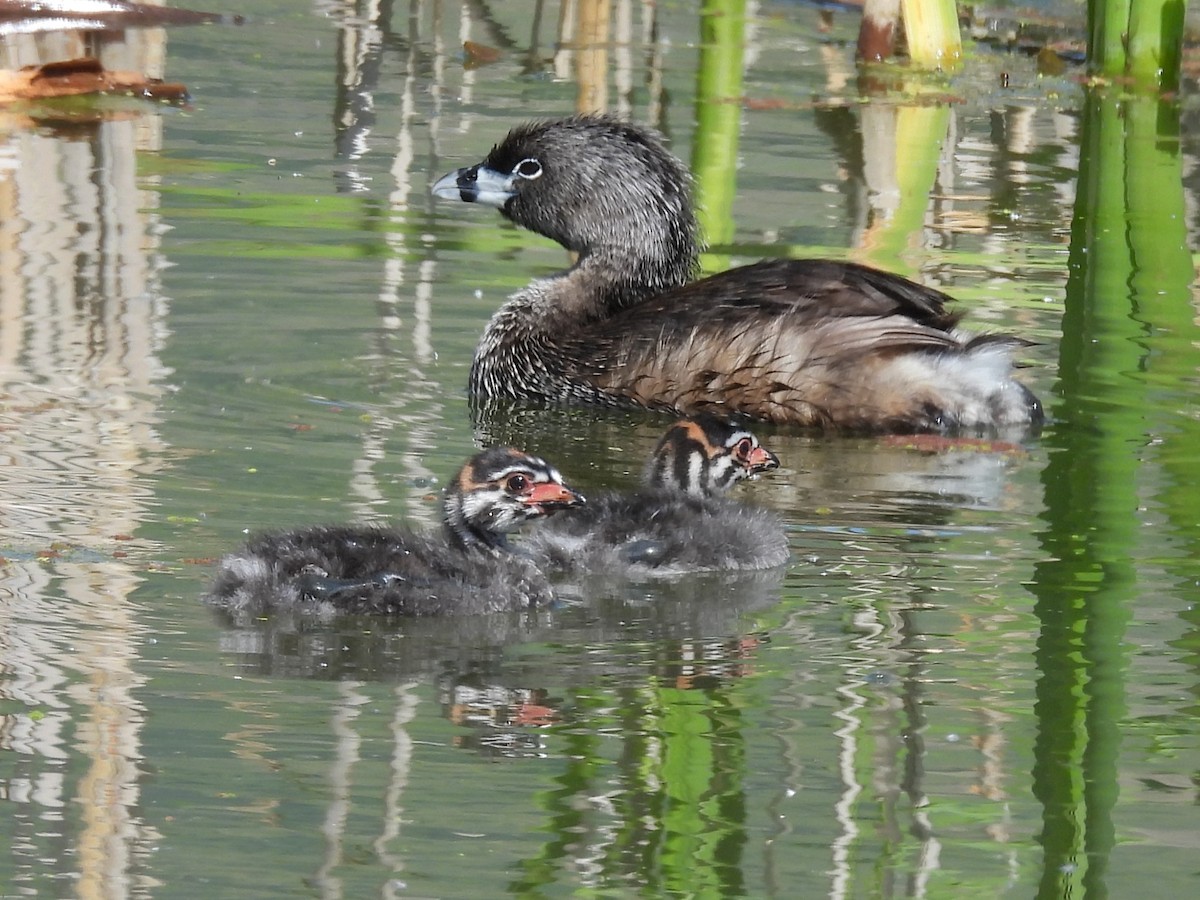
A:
[1127,262]
[702,776]
[666,811]
[907,140]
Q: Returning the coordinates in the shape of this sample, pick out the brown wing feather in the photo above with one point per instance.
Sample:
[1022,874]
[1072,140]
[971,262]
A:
[783,340]
[815,288]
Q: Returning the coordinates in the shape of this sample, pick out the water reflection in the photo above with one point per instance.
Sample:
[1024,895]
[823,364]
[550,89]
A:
[83,319]
[866,722]
[1125,286]
[661,678]
[664,809]
[604,614]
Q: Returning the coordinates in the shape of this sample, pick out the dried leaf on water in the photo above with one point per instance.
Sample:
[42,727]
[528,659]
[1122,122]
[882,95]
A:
[77,77]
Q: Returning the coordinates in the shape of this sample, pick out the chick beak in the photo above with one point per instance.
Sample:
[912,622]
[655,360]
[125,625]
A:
[761,460]
[551,496]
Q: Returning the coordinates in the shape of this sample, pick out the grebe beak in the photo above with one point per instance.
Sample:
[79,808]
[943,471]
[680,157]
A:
[476,184]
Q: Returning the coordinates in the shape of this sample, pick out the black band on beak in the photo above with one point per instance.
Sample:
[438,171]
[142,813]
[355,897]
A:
[468,184]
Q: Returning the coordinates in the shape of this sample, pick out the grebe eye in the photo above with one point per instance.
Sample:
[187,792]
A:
[529,169]
[517,484]
[743,448]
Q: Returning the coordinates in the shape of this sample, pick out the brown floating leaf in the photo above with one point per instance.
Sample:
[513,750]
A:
[479,54]
[1049,62]
[767,103]
[76,77]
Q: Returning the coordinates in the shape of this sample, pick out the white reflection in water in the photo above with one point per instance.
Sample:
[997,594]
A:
[82,324]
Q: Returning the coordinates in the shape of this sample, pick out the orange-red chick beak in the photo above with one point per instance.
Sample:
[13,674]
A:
[549,496]
[762,460]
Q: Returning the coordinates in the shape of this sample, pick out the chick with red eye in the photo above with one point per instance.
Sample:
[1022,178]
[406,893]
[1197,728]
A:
[680,520]
[752,458]
[469,568]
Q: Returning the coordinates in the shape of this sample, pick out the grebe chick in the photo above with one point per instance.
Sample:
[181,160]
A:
[678,521]
[814,343]
[469,568]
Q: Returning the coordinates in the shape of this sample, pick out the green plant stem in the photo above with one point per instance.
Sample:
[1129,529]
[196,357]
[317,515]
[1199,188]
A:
[931,27]
[1141,41]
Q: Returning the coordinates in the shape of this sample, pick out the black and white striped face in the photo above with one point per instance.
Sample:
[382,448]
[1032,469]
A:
[705,456]
[500,489]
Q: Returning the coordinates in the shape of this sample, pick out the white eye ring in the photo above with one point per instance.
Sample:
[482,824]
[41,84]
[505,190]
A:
[529,169]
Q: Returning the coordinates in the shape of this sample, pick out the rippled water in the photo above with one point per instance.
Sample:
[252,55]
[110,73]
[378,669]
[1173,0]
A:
[977,677]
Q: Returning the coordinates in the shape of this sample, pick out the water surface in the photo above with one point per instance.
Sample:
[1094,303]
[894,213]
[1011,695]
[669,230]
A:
[977,677]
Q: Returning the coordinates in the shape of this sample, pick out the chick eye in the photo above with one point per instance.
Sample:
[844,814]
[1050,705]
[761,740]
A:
[517,484]
[529,169]
[743,448]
